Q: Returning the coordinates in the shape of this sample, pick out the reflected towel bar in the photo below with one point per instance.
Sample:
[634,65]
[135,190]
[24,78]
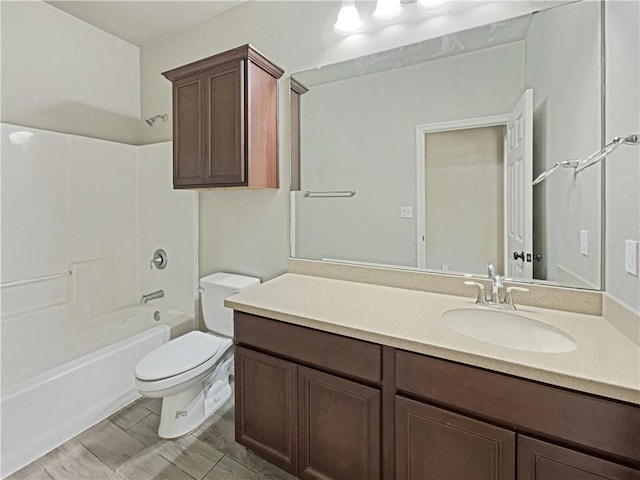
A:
[27,281]
[329,194]
[578,166]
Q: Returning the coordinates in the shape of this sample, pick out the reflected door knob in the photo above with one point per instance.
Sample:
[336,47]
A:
[517,256]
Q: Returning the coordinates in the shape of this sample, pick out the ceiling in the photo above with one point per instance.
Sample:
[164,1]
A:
[143,22]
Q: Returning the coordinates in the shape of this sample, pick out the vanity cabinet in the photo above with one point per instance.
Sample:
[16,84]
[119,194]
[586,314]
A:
[435,443]
[538,460]
[324,406]
[308,401]
[225,121]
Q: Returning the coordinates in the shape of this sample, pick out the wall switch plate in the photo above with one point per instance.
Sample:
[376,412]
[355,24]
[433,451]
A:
[406,212]
[631,257]
[584,242]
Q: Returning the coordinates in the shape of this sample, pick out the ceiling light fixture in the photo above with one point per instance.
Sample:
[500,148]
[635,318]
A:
[348,21]
[387,11]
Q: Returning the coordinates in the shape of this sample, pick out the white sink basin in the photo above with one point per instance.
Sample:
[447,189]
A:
[508,330]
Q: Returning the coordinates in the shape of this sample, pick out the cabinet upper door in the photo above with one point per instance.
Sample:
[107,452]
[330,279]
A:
[188,132]
[432,443]
[225,154]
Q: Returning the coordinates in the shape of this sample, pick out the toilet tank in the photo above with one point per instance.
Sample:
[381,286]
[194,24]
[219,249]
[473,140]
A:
[215,288]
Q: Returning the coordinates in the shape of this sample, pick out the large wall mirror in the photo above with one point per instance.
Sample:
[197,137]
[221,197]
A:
[423,157]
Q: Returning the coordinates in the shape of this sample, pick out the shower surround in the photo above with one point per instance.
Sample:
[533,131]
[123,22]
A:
[79,227]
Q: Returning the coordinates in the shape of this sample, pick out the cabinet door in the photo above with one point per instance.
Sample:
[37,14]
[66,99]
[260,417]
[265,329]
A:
[432,443]
[188,130]
[224,161]
[339,428]
[266,415]
[539,460]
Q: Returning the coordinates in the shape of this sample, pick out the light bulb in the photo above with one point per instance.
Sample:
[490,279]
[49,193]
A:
[348,21]
[430,4]
[387,11]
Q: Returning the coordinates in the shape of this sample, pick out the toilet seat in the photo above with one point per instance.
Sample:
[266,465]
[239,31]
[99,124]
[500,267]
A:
[186,358]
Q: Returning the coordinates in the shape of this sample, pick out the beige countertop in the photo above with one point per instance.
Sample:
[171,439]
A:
[605,363]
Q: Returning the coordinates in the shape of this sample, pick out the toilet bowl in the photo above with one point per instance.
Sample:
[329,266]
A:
[191,373]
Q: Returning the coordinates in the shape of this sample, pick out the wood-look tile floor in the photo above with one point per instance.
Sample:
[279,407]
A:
[126,446]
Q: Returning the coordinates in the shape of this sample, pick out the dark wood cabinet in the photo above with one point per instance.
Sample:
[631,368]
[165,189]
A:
[266,407]
[225,121]
[339,425]
[538,460]
[363,411]
[432,443]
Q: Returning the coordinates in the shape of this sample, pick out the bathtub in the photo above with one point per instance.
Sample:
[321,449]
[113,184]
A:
[56,385]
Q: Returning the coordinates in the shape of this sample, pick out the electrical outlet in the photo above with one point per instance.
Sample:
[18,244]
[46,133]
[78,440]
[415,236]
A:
[584,242]
[631,257]
[406,212]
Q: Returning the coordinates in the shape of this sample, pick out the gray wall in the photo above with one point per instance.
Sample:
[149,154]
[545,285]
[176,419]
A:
[623,166]
[565,80]
[363,136]
[62,74]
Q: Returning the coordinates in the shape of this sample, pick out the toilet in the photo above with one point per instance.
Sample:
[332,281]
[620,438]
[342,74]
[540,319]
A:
[191,372]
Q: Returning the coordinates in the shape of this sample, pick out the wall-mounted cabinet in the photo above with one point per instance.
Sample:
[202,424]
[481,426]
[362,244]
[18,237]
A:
[225,121]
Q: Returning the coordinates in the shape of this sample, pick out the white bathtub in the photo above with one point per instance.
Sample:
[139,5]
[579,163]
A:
[54,388]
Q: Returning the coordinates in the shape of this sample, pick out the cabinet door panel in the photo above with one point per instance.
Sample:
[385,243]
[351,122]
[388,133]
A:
[224,96]
[339,428]
[538,460]
[266,414]
[432,443]
[188,131]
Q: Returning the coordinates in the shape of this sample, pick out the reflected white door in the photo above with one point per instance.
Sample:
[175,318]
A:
[518,151]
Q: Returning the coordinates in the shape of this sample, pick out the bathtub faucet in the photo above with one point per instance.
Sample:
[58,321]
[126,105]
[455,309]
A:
[151,296]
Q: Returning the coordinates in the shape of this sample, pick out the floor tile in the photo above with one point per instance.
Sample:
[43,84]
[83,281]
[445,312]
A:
[33,471]
[148,465]
[190,454]
[112,445]
[219,432]
[229,469]
[146,430]
[130,415]
[152,404]
[72,460]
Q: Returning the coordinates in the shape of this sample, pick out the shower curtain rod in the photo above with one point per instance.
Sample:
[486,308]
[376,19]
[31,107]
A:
[578,166]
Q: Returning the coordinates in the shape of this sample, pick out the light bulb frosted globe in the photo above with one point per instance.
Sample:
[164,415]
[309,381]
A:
[348,21]
[387,11]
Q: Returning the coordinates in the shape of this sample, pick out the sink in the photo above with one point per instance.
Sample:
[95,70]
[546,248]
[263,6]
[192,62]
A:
[508,330]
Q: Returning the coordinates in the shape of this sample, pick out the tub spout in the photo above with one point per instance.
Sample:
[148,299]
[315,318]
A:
[151,296]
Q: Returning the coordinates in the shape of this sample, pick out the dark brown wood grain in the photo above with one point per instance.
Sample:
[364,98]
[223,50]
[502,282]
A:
[266,415]
[332,353]
[589,422]
[432,443]
[388,413]
[339,423]
[538,460]
[225,114]
[188,130]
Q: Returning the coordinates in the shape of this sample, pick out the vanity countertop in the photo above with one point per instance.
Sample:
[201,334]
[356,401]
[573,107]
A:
[605,363]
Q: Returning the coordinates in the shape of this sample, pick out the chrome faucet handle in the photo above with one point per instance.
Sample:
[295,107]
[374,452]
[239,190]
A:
[508,297]
[491,272]
[480,299]
[159,260]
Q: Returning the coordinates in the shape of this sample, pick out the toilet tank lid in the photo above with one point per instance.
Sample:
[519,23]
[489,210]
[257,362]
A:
[229,281]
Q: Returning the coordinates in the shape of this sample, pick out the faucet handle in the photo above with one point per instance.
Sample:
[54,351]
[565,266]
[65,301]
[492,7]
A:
[508,297]
[481,299]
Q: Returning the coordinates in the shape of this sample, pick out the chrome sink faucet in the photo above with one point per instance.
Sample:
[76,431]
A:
[496,284]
